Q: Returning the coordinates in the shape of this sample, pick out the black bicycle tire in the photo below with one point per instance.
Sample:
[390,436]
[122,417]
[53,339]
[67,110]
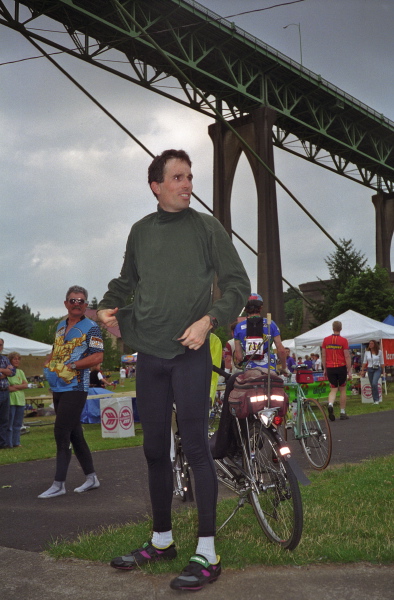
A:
[318,455]
[277,489]
[181,471]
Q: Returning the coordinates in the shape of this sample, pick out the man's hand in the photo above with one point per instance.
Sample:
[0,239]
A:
[107,316]
[196,334]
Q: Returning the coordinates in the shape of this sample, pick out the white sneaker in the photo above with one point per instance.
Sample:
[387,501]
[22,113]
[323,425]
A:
[91,483]
[56,489]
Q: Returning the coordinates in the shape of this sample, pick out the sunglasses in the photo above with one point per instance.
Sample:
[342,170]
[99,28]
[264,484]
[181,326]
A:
[77,301]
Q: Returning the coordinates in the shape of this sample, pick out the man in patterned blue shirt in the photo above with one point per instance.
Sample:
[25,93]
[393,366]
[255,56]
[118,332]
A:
[78,346]
[6,370]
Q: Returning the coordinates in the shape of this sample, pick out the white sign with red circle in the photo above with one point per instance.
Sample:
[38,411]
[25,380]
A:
[117,418]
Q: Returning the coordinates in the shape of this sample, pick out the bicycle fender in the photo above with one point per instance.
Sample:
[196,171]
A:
[298,472]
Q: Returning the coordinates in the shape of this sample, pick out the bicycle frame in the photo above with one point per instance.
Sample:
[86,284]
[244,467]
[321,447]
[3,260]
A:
[299,421]
[312,429]
[241,480]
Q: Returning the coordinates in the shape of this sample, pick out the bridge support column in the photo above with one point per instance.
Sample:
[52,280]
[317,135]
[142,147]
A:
[256,130]
[384,209]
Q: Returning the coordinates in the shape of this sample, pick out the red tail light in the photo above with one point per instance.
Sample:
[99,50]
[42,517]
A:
[277,421]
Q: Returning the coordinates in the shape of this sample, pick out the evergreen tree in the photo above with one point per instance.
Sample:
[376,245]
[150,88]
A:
[16,320]
[112,356]
[370,293]
[343,264]
[93,303]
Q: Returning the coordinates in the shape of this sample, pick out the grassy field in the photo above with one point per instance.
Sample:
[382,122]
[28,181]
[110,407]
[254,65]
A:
[347,518]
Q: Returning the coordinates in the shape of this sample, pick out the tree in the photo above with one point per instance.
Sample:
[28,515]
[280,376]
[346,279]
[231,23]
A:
[112,356]
[293,314]
[93,303]
[343,264]
[17,320]
[44,330]
[370,293]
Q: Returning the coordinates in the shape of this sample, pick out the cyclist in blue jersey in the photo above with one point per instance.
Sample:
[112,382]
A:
[252,338]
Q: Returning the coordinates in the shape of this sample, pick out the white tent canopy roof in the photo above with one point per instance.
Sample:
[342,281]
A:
[24,346]
[300,350]
[356,328]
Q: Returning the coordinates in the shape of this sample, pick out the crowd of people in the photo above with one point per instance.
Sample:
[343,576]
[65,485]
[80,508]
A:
[173,257]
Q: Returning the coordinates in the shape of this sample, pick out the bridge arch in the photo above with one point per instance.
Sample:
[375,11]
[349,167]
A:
[256,130]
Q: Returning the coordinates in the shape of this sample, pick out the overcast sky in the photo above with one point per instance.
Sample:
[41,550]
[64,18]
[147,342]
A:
[72,183]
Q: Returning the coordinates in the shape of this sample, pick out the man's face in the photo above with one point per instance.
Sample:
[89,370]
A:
[173,194]
[1,346]
[287,351]
[76,304]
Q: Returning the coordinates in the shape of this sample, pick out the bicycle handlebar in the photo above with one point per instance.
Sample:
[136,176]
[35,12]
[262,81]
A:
[221,372]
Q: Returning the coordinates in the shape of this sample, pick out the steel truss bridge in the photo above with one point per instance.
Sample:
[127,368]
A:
[233,70]
[183,51]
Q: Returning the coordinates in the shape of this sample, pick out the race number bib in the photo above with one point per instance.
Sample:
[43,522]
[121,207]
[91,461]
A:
[254,346]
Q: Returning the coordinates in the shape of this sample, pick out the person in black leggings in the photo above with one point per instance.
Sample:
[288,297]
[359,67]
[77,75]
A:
[182,380]
[172,257]
[78,346]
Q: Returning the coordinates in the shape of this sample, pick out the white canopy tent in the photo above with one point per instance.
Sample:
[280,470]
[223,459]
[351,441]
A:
[24,346]
[356,328]
[301,350]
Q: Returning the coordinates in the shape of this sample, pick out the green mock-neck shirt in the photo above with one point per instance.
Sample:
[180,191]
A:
[169,267]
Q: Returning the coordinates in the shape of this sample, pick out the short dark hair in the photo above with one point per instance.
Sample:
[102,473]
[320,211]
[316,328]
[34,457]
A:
[253,307]
[76,289]
[156,168]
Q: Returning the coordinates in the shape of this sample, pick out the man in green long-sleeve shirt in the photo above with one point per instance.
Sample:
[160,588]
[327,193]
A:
[172,257]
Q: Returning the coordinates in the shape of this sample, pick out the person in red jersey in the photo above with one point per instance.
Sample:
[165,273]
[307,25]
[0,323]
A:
[337,367]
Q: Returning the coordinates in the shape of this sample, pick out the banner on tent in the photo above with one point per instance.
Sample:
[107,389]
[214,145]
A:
[388,352]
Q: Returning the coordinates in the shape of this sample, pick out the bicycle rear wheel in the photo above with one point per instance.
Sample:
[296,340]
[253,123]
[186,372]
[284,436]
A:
[275,495]
[316,434]
[182,481]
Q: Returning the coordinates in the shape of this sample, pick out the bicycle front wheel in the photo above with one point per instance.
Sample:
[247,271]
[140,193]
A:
[274,495]
[316,434]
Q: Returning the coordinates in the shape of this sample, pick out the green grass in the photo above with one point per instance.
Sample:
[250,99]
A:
[347,518]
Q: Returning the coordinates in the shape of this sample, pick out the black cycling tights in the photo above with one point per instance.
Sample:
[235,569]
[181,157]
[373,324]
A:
[68,428]
[185,380]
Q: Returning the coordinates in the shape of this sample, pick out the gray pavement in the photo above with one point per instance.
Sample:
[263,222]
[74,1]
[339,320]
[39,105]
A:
[27,524]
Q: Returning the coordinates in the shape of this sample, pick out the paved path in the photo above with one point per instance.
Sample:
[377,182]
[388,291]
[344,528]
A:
[28,523]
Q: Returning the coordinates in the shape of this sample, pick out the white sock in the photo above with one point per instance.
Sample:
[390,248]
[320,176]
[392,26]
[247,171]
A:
[343,411]
[162,539]
[330,404]
[206,547]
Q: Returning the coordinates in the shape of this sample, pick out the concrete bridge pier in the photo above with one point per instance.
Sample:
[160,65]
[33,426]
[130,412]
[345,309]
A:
[384,209]
[256,130]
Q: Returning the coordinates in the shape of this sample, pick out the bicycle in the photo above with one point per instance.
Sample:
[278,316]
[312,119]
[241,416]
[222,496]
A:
[264,474]
[183,488]
[216,410]
[260,471]
[311,428]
